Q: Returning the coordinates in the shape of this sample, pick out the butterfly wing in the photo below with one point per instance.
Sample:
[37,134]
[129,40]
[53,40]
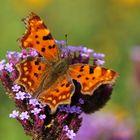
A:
[32,71]
[38,36]
[59,92]
[91,77]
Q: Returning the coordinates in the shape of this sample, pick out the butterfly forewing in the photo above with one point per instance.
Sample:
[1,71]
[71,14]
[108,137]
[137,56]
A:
[59,92]
[91,77]
[38,36]
[32,71]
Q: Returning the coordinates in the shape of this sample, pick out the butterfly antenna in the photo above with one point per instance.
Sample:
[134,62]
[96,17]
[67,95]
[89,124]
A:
[66,39]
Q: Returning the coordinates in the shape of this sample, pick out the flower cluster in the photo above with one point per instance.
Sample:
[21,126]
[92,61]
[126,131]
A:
[35,117]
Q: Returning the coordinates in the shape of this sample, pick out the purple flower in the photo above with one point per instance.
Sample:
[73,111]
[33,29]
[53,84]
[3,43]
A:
[24,115]
[42,116]
[61,42]
[28,96]
[36,111]
[20,95]
[98,56]
[9,67]
[81,101]
[99,62]
[14,114]
[33,102]
[15,88]
[87,50]
[2,64]
[33,52]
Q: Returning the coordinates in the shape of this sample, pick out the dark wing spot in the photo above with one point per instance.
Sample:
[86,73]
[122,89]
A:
[37,42]
[39,68]
[48,37]
[62,85]
[53,46]
[67,85]
[57,90]
[82,67]
[36,63]
[36,36]
[81,70]
[91,70]
[87,78]
[43,49]
[35,74]
[78,76]
[93,78]
[50,47]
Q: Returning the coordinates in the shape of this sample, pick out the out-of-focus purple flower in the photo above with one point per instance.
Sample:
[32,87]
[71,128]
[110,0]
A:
[20,95]
[105,126]
[98,55]
[61,42]
[24,116]
[15,88]
[99,62]
[81,101]
[14,114]
[9,67]
[87,50]
[74,49]
[2,64]
[42,116]
[36,111]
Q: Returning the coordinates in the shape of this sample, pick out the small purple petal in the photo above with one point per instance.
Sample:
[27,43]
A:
[9,67]
[81,101]
[33,102]
[36,111]
[99,62]
[24,116]
[2,64]
[98,56]
[20,95]
[42,116]
[14,114]
[15,88]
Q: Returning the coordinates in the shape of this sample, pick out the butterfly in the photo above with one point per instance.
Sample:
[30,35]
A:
[50,78]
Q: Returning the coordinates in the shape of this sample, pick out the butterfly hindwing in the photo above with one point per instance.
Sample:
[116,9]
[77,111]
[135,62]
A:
[91,77]
[38,36]
[59,92]
[31,73]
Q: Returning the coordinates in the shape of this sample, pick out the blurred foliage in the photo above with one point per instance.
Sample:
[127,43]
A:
[109,26]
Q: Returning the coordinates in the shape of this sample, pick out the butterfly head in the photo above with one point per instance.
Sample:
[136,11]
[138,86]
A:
[61,67]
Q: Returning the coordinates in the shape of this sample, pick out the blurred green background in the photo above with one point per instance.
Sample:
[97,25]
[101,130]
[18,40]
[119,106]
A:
[111,27]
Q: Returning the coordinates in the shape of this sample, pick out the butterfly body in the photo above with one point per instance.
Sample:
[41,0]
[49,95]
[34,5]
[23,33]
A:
[50,78]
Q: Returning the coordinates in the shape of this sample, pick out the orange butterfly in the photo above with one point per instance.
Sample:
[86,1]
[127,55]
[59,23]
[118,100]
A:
[50,78]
